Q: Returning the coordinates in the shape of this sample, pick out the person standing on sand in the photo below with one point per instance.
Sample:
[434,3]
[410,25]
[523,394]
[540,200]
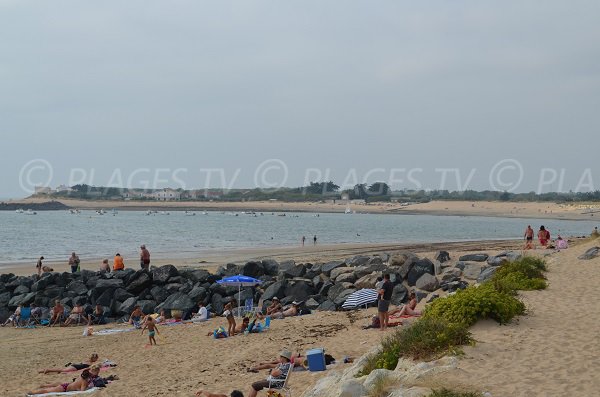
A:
[74,262]
[384,302]
[152,330]
[315,240]
[39,265]
[118,263]
[144,257]
[528,238]
[303,240]
[543,236]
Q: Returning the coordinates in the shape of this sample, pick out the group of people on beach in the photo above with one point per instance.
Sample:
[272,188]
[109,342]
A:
[544,239]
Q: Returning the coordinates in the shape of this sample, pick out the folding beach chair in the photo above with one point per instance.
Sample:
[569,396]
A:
[24,319]
[248,307]
[278,389]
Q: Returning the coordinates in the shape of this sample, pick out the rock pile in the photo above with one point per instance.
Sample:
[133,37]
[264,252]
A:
[321,286]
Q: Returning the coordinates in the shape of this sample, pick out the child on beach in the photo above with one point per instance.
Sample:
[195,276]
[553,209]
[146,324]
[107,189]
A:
[152,330]
[228,314]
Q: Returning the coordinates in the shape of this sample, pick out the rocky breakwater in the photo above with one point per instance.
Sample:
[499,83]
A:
[320,286]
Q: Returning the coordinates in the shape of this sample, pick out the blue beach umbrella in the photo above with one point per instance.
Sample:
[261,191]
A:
[239,281]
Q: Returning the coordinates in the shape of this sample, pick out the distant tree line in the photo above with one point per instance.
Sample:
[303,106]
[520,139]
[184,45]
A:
[318,191]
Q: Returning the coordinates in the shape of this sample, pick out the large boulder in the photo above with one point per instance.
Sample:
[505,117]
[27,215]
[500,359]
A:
[340,270]
[338,289]
[195,275]
[367,281]
[111,283]
[327,306]
[451,274]
[147,306]
[399,294]
[270,266]
[173,287]
[276,289]
[486,274]
[472,271]
[4,298]
[178,301]
[358,260]
[21,289]
[324,291]
[482,257]
[313,270]
[105,297]
[121,295]
[159,293]
[590,254]
[241,296]
[54,291]
[230,269]
[23,299]
[139,282]
[497,260]
[341,298]
[311,304]
[442,256]
[407,266]
[346,278]
[42,283]
[298,290]
[361,271]
[77,287]
[427,282]
[329,266]
[294,271]
[253,269]
[216,304]
[197,293]
[418,269]
[127,306]
[162,274]
[400,258]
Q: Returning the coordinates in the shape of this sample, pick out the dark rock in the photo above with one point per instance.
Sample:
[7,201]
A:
[312,304]
[21,289]
[497,260]
[270,266]
[7,277]
[4,314]
[324,291]
[23,299]
[367,281]
[590,254]
[486,274]
[197,293]
[346,278]
[4,298]
[427,282]
[159,293]
[298,290]
[358,260]
[451,274]
[91,282]
[337,289]
[111,283]
[105,298]
[127,306]
[276,289]
[285,265]
[147,306]
[63,279]
[318,281]
[361,271]
[418,269]
[420,295]
[54,291]
[432,298]
[474,258]
[327,306]
[472,271]
[230,269]
[313,271]
[253,269]
[246,293]
[177,280]
[77,287]
[196,275]
[328,267]
[460,265]
[139,281]
[121,295]
[341,298]
[217,288]
[407,267]
[340,270]
[442,256]
[216,304]
[295,271]
[42,283]
[172,288]
[376,260]
[178,301]
[399,294]
[162,274]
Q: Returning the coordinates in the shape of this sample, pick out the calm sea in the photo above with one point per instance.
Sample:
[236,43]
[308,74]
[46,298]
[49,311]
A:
[55,234]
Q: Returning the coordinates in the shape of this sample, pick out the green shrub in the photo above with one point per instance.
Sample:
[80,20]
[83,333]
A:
[524,274]
[449,393]
[427,338]
[475,303]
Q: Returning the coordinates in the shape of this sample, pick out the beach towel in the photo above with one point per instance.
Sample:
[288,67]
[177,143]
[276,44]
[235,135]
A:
[67,393]
[111,331]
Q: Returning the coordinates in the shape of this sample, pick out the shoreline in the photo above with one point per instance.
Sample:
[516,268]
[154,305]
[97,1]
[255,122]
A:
[539,210]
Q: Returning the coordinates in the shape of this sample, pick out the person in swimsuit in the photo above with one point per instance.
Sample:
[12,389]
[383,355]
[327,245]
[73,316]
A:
[296,359]
[136,315]
[71,367]
[228,314]
[274,307]
[528,238]
[144,257]
[76,315]
[152,330]
[410,308]
[57,312]
[543,236]
[80,384]
[39,265]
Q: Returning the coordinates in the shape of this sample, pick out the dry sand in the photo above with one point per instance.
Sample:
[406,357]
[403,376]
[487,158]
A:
[550,352]
[543,210]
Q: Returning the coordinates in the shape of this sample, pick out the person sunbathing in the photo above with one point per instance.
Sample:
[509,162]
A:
[289,312]
[296,359]
[76,315]
[204,393]
[277,376]
[136,315]
[57,312]
[83,382]
[274,307]
[71,367]
[409,309]
[240,328]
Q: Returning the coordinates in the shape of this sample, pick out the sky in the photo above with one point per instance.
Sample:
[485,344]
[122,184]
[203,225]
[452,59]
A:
[237,94]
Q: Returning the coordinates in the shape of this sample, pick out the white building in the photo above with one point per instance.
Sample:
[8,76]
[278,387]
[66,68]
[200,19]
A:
[63,188]
[167,195]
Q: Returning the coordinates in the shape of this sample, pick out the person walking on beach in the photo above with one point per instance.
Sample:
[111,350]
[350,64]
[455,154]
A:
[303,240]
[384,303]
[144,257]
[528,238]
[39,265]
[118,263]
[315,240]
[543,236]
[74,262]
[152,330]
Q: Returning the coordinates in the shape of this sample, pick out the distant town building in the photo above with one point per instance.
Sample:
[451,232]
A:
[167,195]
[63,189]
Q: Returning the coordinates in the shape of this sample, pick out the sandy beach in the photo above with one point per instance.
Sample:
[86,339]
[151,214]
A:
[548,352]
[542,210]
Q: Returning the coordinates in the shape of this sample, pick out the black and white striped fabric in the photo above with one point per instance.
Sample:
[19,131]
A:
[360,298]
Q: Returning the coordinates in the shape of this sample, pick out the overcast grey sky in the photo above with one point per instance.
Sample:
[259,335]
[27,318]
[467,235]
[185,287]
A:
[339,85]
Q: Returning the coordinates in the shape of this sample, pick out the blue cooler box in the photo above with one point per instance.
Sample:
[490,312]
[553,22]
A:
[316,359]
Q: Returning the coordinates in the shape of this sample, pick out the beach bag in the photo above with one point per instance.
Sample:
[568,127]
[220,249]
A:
[220,333]
[375,322]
